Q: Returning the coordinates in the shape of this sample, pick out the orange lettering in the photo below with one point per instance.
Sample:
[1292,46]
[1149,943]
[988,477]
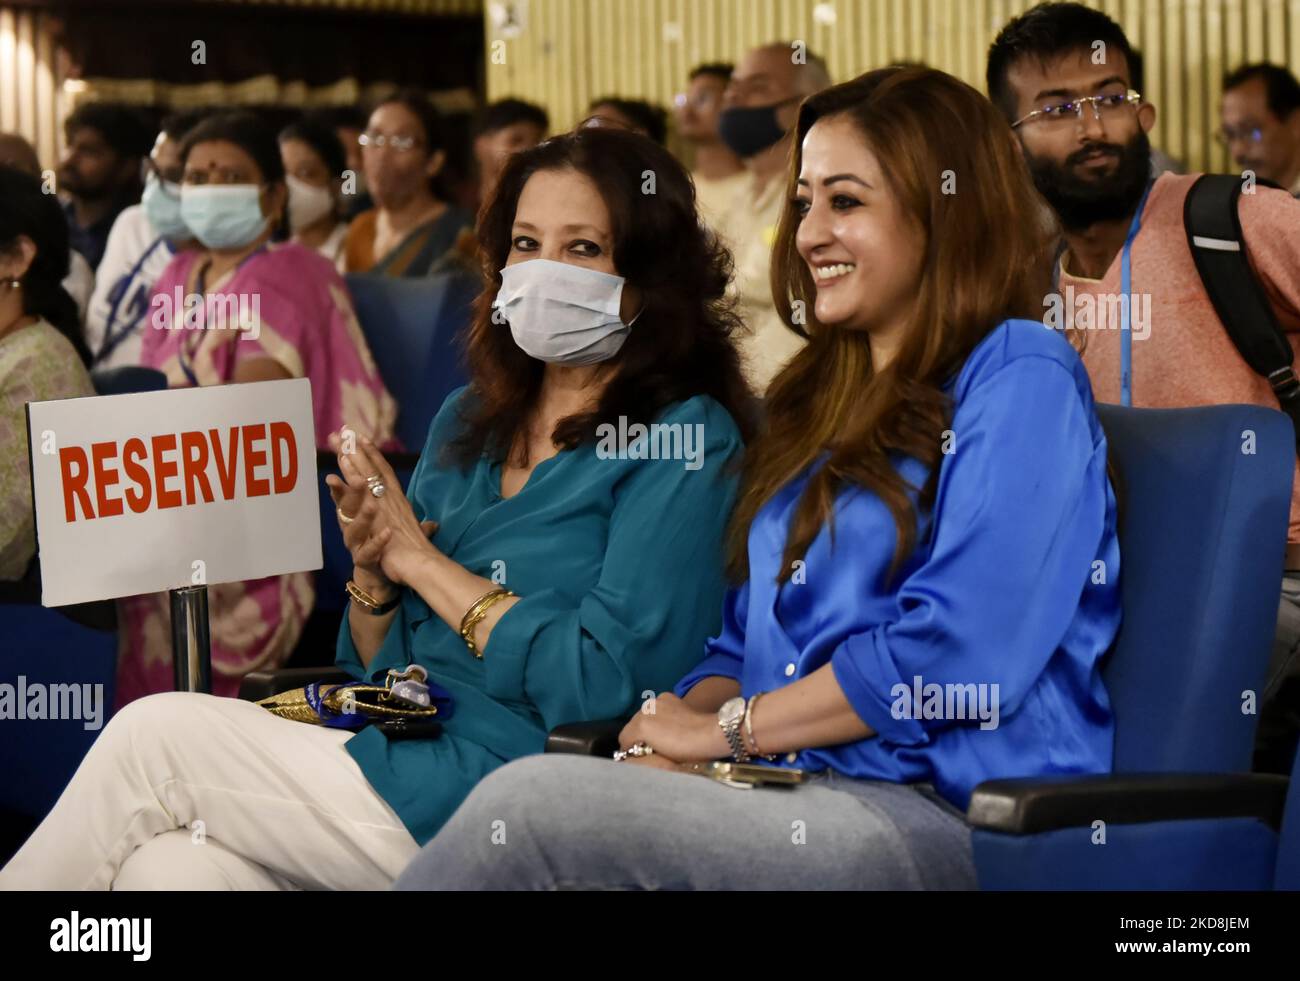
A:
[100,453]
[254,487]
[133,450]
[194,457]
[226,461]
[162,469]
[282,435]
[74,484]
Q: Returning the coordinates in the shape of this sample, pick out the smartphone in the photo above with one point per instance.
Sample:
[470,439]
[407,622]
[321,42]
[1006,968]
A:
[747,774]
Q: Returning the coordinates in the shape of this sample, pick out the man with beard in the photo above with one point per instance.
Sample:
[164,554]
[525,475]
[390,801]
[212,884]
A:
[1060,73]
[100,172]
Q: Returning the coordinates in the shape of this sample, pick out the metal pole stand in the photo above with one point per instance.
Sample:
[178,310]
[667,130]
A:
[191,647]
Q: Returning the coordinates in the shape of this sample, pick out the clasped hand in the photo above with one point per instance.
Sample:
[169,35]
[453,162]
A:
[387,540]
[676,732]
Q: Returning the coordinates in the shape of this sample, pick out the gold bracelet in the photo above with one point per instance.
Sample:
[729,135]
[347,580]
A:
[749,727]
[369,603]
[475,614]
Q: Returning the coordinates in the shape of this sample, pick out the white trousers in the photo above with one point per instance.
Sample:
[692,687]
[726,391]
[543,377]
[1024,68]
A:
[186,791]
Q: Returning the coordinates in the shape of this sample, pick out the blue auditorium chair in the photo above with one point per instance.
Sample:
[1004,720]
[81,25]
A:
[1202,534]
[1286,871]
[40,646]
[127,379]
[413,327]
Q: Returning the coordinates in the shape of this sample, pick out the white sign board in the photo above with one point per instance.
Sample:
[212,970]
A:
[157,490]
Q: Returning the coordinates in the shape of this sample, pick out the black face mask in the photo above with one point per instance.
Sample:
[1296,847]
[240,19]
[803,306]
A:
[747,132]
[1080,203]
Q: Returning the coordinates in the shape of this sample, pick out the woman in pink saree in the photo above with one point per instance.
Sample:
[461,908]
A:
[266,312]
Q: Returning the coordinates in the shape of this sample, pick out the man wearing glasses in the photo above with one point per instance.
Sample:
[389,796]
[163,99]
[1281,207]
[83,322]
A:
[715,167]
[143,240]
[1261,123]
[1061,75]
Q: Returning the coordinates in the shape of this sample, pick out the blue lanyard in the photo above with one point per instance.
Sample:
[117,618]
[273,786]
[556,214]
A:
[1126,304]
[182,351]
[111,340]
[201,281]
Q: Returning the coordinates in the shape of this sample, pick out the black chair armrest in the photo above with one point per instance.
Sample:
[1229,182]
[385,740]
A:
[598,738]
[1036,804]
[257,685]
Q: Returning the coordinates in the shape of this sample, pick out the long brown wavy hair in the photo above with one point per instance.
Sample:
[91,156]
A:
[986,259]
[681,344]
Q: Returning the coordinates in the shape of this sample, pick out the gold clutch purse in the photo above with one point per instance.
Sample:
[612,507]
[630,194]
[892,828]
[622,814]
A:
[406,698]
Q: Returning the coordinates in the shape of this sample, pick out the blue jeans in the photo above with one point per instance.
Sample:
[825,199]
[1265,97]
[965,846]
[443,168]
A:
[575,822]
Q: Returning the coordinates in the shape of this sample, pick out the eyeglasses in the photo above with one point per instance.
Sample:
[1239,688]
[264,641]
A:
[1226,136]
[170,181]
[378,140]
[1071,111]
[701,100]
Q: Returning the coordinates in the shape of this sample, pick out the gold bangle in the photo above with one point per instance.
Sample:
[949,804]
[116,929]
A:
[369,603]
[749,727]
[475,614]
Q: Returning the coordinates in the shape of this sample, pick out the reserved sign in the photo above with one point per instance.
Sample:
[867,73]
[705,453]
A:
[157,490]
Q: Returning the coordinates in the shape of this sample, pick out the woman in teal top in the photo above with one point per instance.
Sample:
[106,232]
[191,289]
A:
[567,515]
[617,566]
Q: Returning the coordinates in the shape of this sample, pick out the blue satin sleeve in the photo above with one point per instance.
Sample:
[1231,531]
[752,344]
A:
[1022,507]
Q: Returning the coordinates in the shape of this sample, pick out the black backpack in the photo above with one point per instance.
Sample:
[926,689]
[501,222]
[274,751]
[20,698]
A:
[1214,236]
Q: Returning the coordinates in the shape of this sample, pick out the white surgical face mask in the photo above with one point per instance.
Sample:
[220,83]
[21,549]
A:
[162,206]
[561,313]
[223,216]
[308,203]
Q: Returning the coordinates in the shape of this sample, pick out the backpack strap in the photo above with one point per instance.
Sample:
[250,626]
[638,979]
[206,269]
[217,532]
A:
[1213,227]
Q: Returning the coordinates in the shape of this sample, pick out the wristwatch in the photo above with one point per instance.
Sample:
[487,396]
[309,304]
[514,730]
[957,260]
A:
[730,716]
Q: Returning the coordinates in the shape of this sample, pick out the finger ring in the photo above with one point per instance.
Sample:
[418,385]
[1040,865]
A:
[373,479]
[637,749]
[377,490]
[346,519]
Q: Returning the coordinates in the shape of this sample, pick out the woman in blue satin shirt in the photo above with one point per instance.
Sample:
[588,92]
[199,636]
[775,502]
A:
[925,537]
